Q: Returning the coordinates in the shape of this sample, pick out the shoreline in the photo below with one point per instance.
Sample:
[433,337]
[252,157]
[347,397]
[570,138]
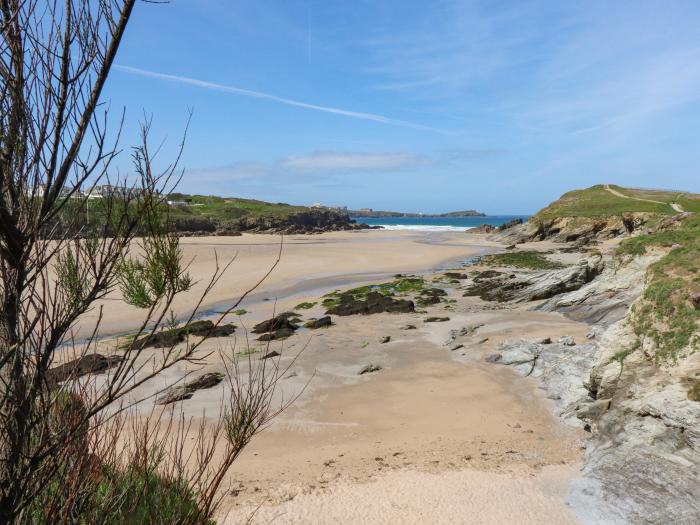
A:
[284,286]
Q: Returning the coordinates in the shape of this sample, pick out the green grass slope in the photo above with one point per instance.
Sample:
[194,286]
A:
[597,201]
[228,208]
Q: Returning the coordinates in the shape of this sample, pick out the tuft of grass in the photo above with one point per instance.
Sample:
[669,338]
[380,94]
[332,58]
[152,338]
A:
[526,259]
[240,311]
[305,306]
[247,352]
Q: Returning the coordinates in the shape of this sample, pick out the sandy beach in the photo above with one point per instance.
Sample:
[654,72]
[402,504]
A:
[309,265]
[436,436]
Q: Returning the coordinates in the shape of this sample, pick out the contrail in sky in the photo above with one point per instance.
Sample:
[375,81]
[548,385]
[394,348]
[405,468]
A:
[266,96]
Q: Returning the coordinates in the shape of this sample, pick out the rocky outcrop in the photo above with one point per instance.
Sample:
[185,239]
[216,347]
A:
[583,230]
[561,368]
[374,303]
[311,220]
[321,322]
[173,336]
[186,391]
[490,228]
[279,327]
[524,286]
[642,463]
[608,298]
[87,364]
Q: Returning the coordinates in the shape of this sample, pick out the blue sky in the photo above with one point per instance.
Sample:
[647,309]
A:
[414,105]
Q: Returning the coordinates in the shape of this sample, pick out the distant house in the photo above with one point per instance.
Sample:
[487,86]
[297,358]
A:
[317,205]
[100,191]
[178,203]
[366,210]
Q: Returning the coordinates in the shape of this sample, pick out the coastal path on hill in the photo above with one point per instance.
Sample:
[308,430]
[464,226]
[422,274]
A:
[677,207]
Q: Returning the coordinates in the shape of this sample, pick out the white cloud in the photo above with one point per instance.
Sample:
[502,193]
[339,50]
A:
[353,161]
[274,98]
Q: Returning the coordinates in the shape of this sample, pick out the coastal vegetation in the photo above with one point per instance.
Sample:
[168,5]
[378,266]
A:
[521,259]
[226,208]
[71,450]
[305,305]
[669,314]
[401,286]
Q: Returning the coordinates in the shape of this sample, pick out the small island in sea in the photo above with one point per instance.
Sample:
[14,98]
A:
[377,214]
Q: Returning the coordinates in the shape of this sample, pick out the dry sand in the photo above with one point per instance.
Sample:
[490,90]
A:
[436,436]
[309,264]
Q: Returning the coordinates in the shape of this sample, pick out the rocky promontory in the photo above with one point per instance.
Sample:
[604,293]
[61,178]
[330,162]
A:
[297,221]
[634,383]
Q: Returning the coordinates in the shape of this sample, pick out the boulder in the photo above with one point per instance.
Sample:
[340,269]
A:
[286,320]
[385,339]
[181,392]
[456,275]
[436,319]
[484,228]
[566,340]
[87,364]
[173,336]
[695,299]
[280,333]
[368,369]
[321,322]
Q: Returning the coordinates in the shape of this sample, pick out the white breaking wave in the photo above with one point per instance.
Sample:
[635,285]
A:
[425,227]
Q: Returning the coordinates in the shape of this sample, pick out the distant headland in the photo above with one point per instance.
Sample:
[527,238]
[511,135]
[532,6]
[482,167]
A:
[370,213]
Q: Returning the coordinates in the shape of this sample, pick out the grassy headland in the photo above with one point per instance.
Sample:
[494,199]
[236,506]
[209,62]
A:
[603,201]
[227,208]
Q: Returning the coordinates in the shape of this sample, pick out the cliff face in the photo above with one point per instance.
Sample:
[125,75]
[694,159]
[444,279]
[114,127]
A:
[580,229]
[636,384]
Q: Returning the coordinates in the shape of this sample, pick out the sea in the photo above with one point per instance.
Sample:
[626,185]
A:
[437,223]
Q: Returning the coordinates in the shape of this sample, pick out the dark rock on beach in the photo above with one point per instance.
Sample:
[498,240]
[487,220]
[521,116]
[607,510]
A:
[173,336]
[374,303]
[321,322]
[178,393]
[88,364]
[368,369]
[286,320]
[276,335]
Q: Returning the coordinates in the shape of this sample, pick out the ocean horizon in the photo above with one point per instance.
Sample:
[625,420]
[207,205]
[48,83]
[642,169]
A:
[437,223]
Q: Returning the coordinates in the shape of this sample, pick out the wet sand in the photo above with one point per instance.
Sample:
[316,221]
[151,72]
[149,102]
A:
[435,436]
